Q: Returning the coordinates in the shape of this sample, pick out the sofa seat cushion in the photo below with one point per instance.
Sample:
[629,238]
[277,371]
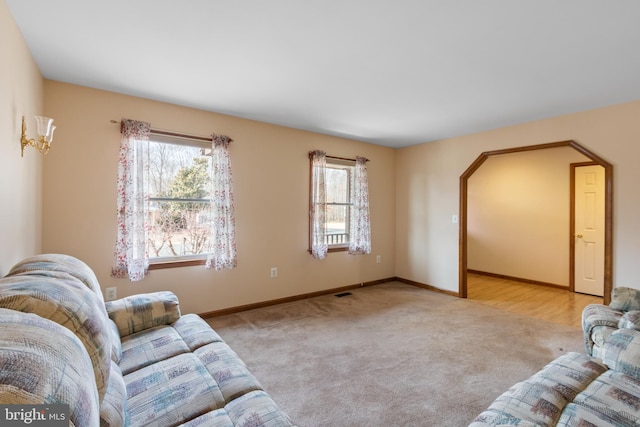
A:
[228,370]
[195,331]
[612,399]
[542,398]
[210,385]
[171,391]
[216,418]
[252,409]
[186,334]
[186,373]
[148,347]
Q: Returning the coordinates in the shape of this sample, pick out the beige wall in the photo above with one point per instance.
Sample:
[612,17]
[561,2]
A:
[21,93]
[271,182]
[414,191]
[428,176]
[518,215]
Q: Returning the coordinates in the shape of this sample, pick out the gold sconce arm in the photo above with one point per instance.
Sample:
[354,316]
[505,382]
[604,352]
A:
[45,135]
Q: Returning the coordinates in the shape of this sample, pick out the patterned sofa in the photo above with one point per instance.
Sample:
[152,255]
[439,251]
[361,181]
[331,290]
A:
[131,362]
[599,388]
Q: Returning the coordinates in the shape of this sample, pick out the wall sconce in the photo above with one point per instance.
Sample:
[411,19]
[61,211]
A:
[45,135]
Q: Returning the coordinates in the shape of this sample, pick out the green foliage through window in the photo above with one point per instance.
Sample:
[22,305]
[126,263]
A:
[179,204]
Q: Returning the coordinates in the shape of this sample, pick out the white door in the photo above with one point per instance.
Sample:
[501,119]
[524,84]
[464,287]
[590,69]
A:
[589,230]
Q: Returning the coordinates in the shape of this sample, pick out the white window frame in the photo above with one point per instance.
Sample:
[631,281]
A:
[349,165]
[178,260]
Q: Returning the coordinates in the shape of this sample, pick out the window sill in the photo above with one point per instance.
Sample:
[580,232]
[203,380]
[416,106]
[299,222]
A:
[176,264]
[336,249]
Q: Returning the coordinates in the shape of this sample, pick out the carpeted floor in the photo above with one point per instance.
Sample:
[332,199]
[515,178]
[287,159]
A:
[391,355]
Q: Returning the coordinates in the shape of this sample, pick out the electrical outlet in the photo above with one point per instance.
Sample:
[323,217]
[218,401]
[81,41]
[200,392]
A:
[111,294]
[378,259]
[274,272]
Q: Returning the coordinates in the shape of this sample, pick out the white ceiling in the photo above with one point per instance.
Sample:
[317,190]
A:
[389,72]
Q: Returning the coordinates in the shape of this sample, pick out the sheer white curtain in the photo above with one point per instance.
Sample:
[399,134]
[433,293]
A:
[318,212]
[222,238]
[360,228]
[131,258]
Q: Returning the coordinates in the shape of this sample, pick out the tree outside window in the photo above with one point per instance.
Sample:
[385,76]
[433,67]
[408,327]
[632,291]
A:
[179,208]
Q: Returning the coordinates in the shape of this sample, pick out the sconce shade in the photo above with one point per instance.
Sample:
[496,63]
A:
[44,127]
[50,138]
[45,130]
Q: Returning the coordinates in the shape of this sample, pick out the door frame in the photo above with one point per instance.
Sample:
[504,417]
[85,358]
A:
[572,222]
[608,210]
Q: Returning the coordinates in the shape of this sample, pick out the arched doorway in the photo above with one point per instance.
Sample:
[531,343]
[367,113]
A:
[608,246]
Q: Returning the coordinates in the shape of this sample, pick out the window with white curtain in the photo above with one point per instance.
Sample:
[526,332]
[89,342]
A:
[339,202]
[175,202]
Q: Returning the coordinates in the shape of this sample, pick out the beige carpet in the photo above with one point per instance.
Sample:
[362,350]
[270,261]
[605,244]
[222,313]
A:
[390,355]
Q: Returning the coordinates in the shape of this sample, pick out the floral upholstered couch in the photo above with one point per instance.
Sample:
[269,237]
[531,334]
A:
[598,388]
[131,362]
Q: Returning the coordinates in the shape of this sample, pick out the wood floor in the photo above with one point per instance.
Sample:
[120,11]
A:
[543,302]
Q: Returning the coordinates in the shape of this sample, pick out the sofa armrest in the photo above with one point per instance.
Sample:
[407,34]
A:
[143,311]
[597,316]
[621,352]
[630,320]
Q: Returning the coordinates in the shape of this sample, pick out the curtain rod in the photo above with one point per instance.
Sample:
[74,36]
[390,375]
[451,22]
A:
[176,134]
[338,158]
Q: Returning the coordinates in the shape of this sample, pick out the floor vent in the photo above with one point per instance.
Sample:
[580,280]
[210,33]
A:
[343,294]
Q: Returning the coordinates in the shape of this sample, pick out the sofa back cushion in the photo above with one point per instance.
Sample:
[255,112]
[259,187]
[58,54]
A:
[630,320]
[42,362]
[69,303]
[59,266]
[625,299]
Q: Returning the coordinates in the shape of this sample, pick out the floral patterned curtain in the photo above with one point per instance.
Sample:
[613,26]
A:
[318,212]
[222,252]
[360,229]
[131,258]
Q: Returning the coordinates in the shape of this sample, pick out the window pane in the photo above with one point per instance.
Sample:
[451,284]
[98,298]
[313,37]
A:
[178,169]
[337,224]
[178,228]
[179,210]
[338,200]
[337,185]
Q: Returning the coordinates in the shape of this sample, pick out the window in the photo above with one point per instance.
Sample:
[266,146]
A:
[338,205]
[339,182]
[179,208]
[189,212]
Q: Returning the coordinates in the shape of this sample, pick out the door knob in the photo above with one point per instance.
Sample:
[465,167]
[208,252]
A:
[579,236]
